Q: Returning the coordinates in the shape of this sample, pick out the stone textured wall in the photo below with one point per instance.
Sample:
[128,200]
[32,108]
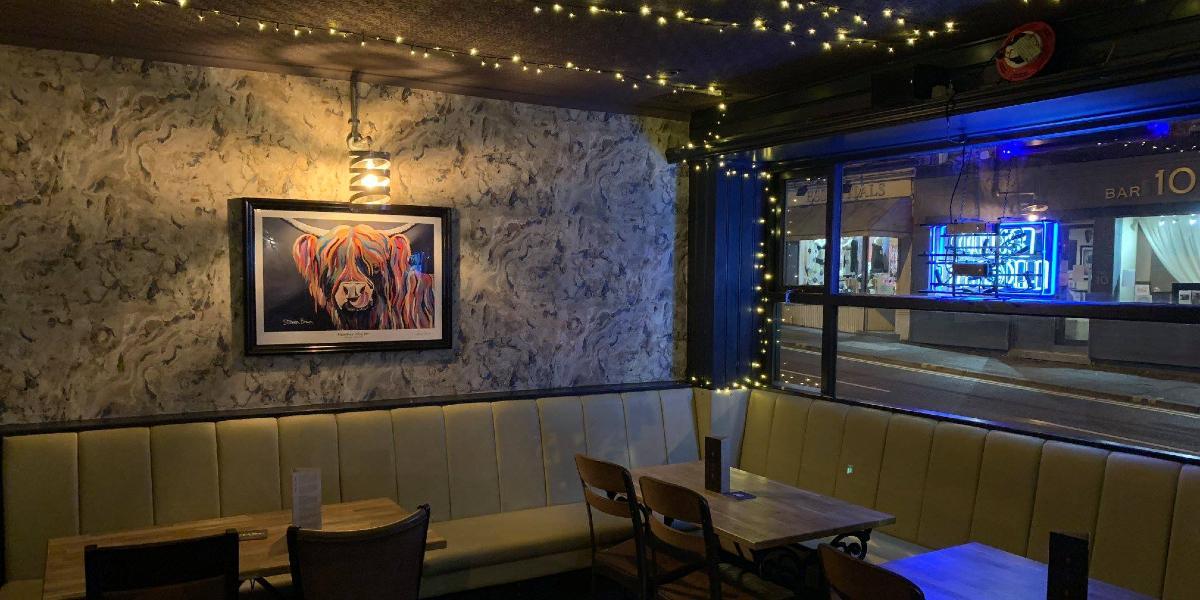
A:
[116,180]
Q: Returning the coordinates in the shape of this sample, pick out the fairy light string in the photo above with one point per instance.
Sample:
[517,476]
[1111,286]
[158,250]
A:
[830,25]
[424,49]
[770,230]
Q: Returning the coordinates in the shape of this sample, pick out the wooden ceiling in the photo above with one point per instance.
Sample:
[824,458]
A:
[741,61]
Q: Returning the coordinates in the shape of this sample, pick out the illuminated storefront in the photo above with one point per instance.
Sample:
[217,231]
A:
[1107,217]
[994,259]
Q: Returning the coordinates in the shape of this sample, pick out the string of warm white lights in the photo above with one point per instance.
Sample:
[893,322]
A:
[424,49]
[837,27]
[769,224]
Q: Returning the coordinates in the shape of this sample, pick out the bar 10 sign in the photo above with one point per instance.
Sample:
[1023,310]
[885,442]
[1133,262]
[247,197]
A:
[994,259]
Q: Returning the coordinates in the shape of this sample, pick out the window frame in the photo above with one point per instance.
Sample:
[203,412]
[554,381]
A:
[830,298]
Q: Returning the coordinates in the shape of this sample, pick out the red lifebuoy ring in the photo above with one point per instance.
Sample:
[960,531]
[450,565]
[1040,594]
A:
[1025,51]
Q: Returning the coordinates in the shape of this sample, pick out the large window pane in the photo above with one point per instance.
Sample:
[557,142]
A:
[804,234]
[798,355]
[803,253]
[1103,217]
[1126,382]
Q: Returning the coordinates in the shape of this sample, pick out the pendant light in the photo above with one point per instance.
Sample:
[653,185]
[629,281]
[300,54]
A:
[370,170]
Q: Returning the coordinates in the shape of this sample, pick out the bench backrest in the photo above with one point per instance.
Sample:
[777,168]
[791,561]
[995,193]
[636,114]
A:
[463,460]
[949,483]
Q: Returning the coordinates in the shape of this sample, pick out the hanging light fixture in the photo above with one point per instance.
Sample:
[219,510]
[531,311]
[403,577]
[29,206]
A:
[370,170]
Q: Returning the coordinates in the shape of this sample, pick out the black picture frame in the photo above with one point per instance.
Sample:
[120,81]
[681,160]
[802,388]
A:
[320,338]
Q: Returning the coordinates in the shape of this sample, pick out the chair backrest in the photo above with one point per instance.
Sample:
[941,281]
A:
[608,488]
[384,562]
[614,481]
[668,503]
[193,569]
[853,579]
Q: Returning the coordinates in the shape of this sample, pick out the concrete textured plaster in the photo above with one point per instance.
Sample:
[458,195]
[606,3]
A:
[121,237]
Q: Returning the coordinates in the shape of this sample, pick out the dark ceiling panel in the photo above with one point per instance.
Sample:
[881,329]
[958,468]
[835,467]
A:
[742,62]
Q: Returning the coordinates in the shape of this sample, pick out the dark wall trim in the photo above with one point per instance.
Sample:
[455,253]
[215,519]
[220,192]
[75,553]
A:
[1006,427]
[317,409]
[723,235]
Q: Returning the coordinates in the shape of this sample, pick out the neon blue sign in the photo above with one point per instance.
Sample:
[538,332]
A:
[1007,259]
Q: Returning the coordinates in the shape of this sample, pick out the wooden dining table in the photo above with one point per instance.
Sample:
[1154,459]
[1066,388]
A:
[64,576]
[778,516]
[979,572]
[766,531]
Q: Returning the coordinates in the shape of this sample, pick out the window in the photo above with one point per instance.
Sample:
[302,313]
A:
[1050,283]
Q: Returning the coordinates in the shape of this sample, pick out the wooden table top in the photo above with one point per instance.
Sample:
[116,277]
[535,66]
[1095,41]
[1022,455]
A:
[64,578]
[978,572]
[778,515]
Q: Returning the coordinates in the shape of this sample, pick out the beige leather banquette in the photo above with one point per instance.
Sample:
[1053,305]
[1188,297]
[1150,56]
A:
[949,483]
[500,477]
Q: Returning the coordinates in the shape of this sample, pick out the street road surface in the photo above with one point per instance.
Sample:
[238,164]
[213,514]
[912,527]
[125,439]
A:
[1074,415]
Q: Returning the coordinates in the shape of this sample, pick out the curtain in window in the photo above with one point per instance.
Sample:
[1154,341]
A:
[1176,241]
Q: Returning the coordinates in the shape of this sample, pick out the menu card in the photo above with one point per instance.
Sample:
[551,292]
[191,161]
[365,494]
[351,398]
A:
[717,462]
[306,498]
[1067,572]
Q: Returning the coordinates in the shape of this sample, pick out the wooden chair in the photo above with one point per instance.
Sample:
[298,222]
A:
[608,488]
[381,563]
[700,550]
[853,579]
[203,568]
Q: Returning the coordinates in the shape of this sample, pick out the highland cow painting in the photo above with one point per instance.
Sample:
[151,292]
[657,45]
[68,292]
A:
[338,277]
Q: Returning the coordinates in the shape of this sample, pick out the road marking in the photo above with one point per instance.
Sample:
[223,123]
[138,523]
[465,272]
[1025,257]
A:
[840,382]
[1133,441]
[1010,385]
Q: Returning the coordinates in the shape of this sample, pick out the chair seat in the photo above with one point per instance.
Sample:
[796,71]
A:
[622,560]
[736,584]
[511,536]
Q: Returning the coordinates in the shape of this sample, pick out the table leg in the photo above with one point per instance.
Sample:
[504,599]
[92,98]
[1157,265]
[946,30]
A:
[786,566]
[853,543]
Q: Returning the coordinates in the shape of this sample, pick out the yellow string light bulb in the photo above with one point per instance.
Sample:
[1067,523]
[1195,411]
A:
[429,50]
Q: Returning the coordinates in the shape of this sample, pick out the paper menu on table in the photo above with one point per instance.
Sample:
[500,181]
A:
[306,498]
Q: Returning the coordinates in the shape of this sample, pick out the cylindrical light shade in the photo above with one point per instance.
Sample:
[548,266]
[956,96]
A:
[370,177]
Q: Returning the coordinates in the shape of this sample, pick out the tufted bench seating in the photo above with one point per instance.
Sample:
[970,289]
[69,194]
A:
[949,483]
[499,476]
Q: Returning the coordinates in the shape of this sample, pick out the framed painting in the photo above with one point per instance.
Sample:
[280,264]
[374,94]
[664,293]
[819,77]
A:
[335,277]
